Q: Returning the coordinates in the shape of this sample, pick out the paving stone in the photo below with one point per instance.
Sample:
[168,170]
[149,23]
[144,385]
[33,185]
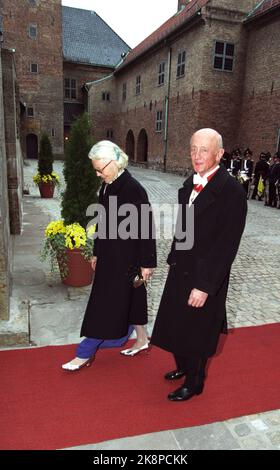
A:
[274,438]
[242,430]
[255,442]
[157,441]
[209,437]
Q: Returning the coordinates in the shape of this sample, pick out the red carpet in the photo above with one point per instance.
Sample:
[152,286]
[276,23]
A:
[44,407]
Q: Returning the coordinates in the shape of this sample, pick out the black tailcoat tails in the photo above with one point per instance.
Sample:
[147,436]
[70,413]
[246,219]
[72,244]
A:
[114,303]
[219,219]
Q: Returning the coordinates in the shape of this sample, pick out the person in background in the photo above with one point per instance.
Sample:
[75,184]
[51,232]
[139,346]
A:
[261,170]
[274,179]
[247,167]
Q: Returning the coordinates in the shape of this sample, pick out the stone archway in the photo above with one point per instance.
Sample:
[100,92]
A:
[130,145]
[142,146]
[32,146]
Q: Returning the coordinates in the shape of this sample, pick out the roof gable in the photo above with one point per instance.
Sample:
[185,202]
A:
[88,39]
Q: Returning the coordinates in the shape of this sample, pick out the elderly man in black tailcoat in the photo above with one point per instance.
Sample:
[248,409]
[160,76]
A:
[192,311]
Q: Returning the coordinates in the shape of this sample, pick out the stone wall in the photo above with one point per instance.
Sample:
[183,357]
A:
[13,150]
[11,174]
[4,216]
[260,113]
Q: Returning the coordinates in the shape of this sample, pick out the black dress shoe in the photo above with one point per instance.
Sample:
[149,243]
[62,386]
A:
[174,375]
[183,393]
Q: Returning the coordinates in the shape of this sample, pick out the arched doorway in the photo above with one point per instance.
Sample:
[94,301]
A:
[130,145]
[142,146]
[32,146]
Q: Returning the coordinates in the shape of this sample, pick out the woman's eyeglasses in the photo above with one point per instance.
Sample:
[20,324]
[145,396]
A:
[102,169]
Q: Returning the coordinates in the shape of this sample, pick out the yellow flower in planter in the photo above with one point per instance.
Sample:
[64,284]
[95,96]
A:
[55,227]
[75,236]
[53,177]
[59,237]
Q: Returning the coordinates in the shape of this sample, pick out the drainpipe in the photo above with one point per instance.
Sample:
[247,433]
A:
[167,110]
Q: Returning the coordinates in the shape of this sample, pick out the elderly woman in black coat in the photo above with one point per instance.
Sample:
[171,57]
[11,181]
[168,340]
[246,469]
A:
[116,306]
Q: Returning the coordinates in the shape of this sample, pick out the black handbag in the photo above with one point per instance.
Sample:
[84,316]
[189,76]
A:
[135,276]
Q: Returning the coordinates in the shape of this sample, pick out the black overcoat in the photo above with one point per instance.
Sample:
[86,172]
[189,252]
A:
[219,219]
[114,303]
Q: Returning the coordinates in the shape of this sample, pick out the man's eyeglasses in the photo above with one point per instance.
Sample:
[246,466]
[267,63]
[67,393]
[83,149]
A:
[102,169]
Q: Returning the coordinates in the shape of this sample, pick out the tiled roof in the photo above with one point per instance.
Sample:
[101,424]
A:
[262,8]
[165,30]
[88,39]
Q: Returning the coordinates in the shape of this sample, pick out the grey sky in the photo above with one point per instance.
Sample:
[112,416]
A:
[132,20]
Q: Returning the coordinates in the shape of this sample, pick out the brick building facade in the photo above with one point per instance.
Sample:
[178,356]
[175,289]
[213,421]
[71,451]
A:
[57,49]
[204,67]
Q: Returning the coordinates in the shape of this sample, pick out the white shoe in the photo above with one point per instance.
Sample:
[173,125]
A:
[74,367]
[133,352]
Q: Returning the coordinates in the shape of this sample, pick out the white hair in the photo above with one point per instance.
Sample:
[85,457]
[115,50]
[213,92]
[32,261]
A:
[107,150]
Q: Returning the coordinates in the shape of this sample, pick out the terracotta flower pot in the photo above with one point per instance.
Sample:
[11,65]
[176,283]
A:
[80,270]
[46,189]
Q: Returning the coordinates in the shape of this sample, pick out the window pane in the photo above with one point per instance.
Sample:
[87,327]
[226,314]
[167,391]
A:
[228,64]
[30,112]
[67,93]
[67,82]
[219,49]
[230,49]
[34,68]
[183,69]
[184,56]
[73,94]
[73,83]
[179,58]
[32,31]
[218,63]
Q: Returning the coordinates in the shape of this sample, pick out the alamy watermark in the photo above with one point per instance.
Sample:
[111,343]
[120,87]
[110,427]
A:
[143,221]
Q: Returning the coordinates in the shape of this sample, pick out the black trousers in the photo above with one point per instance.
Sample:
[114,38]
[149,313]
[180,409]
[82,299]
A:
[194,367]
[272,198]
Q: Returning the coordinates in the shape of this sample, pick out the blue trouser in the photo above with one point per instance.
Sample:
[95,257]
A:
[88,347]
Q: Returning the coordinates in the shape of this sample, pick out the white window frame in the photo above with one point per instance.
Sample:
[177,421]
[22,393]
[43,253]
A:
[223,56]
[161,73]
[159,119]
[181,64]
[31,26]
[138,85]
